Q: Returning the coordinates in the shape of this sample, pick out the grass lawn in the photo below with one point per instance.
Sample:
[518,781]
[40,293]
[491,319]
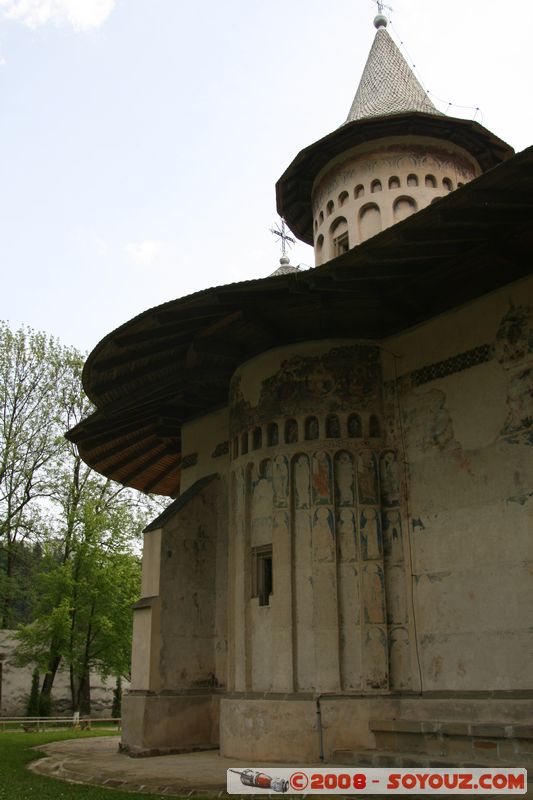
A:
[18,783]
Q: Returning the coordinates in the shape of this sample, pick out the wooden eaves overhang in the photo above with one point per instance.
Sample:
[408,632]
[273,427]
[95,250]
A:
[174,362]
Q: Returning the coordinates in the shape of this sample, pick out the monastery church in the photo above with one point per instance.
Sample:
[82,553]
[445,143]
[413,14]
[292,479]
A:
[345,571]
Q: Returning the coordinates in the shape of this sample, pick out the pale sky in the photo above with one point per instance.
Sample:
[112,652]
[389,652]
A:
[141,139]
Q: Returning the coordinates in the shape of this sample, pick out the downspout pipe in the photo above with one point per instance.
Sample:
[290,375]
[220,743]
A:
[319,729]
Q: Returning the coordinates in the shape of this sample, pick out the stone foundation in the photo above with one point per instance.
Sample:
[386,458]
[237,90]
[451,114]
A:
[155,724]
[286,728]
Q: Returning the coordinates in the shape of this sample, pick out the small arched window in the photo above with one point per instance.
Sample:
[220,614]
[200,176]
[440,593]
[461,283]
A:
[446,182]
[272,434]
[340,237]
[291,431]
[321,217]
[355,427]
[330,206]
[376,186]
[374,427]
[311,428]
[431,182]
[412,180]
[343,197]
[359,191]
[436,199]
[319,242]
[244,444]
[403,207]
[257,439]
[394,182]
[460,183]
[333,427]
[316,224]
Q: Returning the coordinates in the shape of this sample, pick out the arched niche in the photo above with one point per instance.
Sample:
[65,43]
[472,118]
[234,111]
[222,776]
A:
[369,221]
[272,434]
[403,207]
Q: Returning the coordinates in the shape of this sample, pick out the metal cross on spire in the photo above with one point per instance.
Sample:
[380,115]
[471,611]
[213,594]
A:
[284,238]
[381,5]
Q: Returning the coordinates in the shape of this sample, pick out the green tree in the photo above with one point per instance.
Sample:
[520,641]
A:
[86,574]
[32,369]
[32,709]
[84,615]
[116,710]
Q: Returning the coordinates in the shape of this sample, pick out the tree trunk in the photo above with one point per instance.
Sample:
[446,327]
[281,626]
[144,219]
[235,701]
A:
[7,600]
[45,699]
[85,695]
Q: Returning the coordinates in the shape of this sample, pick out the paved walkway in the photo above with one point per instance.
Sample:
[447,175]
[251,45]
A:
[97,761]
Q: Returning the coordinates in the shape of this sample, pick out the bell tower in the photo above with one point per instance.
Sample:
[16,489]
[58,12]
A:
[394,155]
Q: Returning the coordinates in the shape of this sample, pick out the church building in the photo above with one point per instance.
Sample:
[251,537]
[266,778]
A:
[345,572]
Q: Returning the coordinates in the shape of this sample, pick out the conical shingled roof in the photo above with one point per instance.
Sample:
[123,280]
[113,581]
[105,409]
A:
[285,267]
[388,85]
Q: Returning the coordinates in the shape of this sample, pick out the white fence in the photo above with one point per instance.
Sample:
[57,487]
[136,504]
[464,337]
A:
[34,724]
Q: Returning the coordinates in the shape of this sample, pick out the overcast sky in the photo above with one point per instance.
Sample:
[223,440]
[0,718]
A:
[141,139]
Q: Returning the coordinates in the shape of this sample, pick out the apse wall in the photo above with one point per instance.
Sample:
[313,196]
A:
[314,488]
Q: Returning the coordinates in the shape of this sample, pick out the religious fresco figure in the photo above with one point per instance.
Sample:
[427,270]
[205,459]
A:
[281,524]
[370,527]
[323,535]
[346,535]
[333,427]
[375,658]
[301,472]
[322,489]
[291,431]
[344,479]
[399,658]
[272,434]
[392,536]
[280,477]
[367,477]
[265,469]
[374,593]
[311,428]
[390,478]
[355,427]
[396,601]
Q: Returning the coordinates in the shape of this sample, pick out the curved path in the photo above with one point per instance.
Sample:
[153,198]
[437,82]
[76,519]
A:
[97,761]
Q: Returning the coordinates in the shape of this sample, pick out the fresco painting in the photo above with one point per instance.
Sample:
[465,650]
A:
[321,479]
[344,479]
[367,479]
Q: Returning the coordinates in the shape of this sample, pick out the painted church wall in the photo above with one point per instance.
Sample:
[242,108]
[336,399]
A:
[463,407]
[204,447]
[315,483]
[192,634]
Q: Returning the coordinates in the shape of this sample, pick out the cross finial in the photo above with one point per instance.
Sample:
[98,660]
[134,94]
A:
[382,6]
[381,21]
[284,238]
